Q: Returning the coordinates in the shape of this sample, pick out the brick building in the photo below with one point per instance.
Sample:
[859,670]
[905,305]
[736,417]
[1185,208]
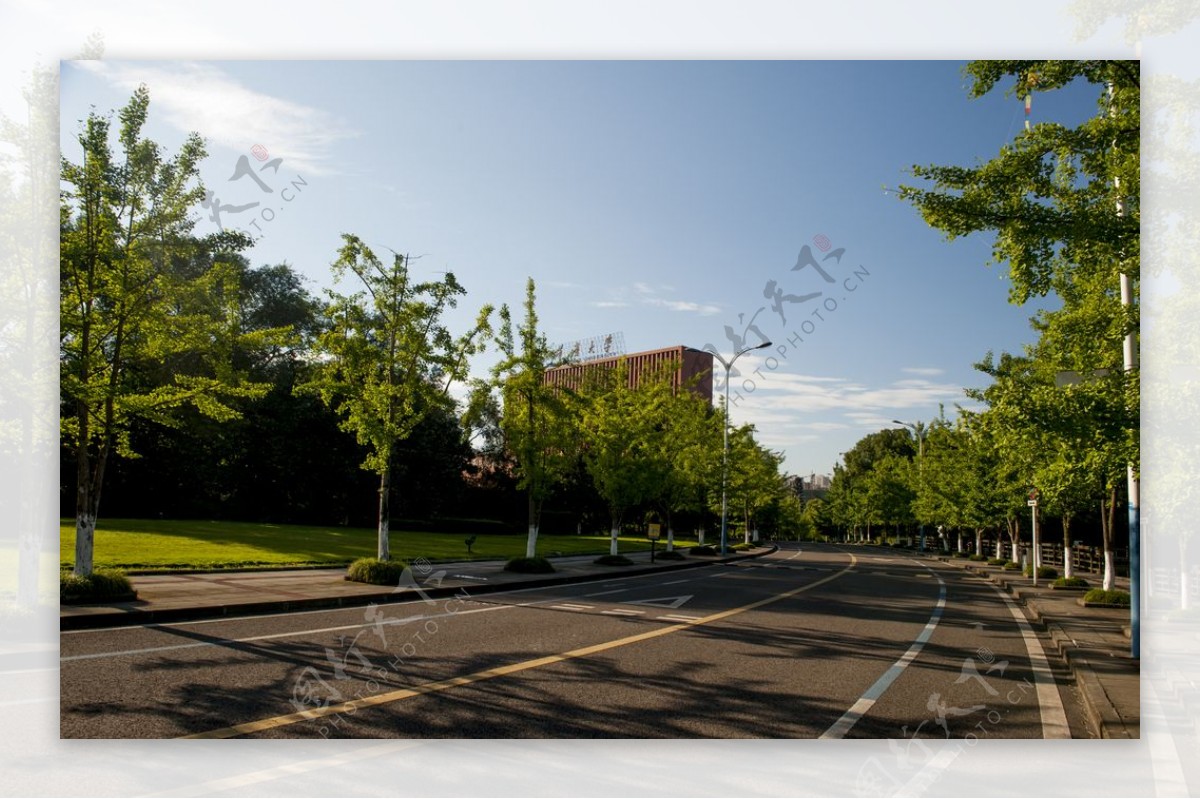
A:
[694,368]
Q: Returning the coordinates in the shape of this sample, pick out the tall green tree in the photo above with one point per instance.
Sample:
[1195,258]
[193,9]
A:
[386,359]
[623,425]
[536,422]
[1064,206]
[140,336]
[691,447]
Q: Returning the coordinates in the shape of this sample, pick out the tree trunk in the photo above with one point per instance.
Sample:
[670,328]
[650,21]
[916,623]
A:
[1184,601]
[1014,536]
[1068,566]
[700,534]
[960,543]
[978,540]
[616,529]
[670,533]
[531,541]
[385,492]
[1107,519]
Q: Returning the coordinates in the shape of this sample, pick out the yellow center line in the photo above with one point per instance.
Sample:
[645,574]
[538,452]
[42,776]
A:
[354,705]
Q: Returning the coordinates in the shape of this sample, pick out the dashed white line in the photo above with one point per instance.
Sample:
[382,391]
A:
[622,612]
[606,593]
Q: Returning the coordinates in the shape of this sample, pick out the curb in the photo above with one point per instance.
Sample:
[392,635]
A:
[1096,705]
[134,616]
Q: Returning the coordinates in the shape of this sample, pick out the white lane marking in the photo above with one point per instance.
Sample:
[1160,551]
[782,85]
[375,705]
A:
[1165,765]
[679,617]
[1050,706]
[572,606]
[606,593]
[676,582]
[671,602]
[622,612]
[872,694]
[275,773]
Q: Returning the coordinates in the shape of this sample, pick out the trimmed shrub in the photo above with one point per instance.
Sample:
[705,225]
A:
[1011,566]
[1070,582]
[535,565]
[743,547]
[673,554]
[613,560]
[977,557]
[102,585]
[1098,596]
[703,549]
[376,571]
[997,562]
[1044,572]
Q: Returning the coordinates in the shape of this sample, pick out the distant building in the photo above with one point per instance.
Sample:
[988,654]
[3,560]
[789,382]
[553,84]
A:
[694,369]
[815,486]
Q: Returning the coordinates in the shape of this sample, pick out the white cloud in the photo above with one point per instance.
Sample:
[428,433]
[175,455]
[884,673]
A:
[203,98]
[610,304]
[924,371]
[685,306]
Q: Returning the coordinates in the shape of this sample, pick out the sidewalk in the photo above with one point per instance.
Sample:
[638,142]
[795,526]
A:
[1094,642]
[204,595]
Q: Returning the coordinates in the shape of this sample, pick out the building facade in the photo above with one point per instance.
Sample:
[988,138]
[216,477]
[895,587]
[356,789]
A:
[692,369]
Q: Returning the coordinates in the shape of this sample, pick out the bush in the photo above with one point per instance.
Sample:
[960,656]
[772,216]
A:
[1098,596]
[673,554]
[1011,566]
[535,565]
[613,560]
[1044,572]
[703,549]
[742,547]
[977,557]
[376,571]
[1070,582]
[997,562]
[102,585]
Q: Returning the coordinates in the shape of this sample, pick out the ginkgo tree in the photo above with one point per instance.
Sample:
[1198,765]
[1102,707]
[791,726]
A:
[149,311]
[387,359]
[536,422]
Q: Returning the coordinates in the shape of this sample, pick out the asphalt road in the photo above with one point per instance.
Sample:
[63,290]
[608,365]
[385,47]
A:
[806,643]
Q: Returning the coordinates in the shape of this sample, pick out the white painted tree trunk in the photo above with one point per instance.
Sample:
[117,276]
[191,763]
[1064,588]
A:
[999,547]
[612,548]
[978,542]
[1110,573]
[85,535]
[700,535]
[531,541]
[384,534]
[1068,563]
[385,512]
[670,538]
[960,543]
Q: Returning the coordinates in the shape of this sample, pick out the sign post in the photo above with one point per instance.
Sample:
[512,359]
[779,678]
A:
[1035,560]
[653,532]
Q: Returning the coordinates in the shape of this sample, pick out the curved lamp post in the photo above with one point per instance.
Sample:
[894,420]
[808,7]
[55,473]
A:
[919,430]
[725,453]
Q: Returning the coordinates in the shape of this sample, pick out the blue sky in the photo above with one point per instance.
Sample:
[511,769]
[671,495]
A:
[665,200]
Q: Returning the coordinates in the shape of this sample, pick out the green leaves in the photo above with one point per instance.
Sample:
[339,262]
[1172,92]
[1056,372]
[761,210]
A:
[1050,197]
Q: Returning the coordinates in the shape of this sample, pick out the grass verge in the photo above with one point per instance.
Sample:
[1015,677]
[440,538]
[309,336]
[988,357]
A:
[165,545]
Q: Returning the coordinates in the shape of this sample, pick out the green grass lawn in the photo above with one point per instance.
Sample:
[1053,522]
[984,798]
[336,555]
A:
[165,544]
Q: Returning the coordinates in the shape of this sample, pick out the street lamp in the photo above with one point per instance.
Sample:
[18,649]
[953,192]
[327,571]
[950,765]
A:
[725,453]
[919,430]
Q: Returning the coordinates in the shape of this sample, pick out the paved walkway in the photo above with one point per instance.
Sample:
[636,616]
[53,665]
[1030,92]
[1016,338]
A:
[1094,642]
